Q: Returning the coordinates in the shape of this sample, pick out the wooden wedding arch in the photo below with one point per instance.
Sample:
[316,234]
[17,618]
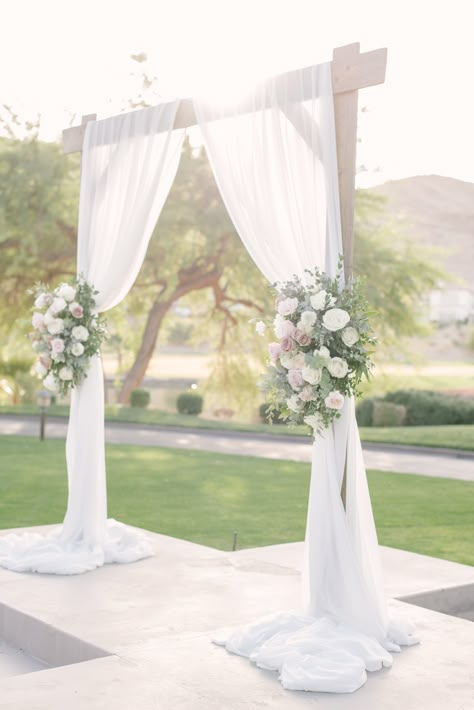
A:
[351,71]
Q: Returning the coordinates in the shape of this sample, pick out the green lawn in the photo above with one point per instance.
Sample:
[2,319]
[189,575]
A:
[204,497]
[452,436]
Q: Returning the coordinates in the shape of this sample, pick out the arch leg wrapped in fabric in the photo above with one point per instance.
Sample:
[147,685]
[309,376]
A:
[344,630]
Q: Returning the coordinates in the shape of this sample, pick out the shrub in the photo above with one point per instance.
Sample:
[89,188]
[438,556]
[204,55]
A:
[269,417]
[429,408]
[140,398]
[364,412]
[388,413]
[188,403]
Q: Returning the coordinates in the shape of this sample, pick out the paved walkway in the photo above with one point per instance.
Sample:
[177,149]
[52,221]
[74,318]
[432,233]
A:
[426,463]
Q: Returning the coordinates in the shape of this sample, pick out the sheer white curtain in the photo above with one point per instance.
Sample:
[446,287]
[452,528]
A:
[273,154]
[128,166]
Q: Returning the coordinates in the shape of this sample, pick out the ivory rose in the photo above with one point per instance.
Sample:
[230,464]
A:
[335,319]
[58,305]
[318,300]
[291,361]
[322,352]
[295,379]
[66,373]
[37,321]
[334,400]
[350,336]
[287,306]
[56,326]
[337,367]
[79,332]
[67,292]
[311,375]
[43,300]
[283,327]
[51,383]
[76,310]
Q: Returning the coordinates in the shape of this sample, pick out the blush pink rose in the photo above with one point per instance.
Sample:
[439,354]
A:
[301,338]
[287,306]
[38,321]
[274,350]
[295,378]
[334,400]
[287,344]
[45,360]
[57,345]
[306,394]
[76,310]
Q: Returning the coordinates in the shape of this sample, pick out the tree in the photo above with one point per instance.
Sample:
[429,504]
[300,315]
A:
[194,247]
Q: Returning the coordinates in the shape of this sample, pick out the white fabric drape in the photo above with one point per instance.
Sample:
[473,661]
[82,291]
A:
[274,159]
[128,166]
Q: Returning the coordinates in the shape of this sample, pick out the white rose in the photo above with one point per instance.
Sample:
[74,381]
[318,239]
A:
[350,336]
[40,369]
[334,400]
[51,383]
[292,362]
[65,373]
[42,301]
[77,349]
[260,327]
[49,317]
[322,352]
[287,306]
[293,403]
[56,326]
[283,327]
[80,333]
[318,301]
[315,421]
[335,319]
[337,367]
[67,292]
[58,305]
[311,375]
[306,321]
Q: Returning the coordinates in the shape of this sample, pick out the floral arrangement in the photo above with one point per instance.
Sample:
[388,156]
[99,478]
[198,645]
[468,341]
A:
[67,332]
[323,349]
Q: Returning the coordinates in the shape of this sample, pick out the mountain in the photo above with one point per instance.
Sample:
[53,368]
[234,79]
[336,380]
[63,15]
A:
[437,211]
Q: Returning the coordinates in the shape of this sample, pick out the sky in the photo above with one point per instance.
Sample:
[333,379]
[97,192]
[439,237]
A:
[64,59]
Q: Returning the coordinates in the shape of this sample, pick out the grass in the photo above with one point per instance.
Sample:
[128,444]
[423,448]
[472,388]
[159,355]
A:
[451,437]
[204,497]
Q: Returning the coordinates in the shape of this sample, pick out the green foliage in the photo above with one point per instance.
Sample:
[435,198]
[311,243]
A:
[425,407]
[398,273]
[267,413]
[140,398]
[38,216]
[388,414]
[364,412]
[189,403]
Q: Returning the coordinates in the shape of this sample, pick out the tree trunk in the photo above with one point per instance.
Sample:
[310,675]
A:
[136,374]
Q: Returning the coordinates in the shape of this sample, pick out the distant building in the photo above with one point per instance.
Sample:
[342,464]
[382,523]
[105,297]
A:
[448,305]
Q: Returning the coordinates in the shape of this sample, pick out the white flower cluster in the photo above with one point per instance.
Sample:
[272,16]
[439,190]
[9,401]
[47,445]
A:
[66,333]
[321,352]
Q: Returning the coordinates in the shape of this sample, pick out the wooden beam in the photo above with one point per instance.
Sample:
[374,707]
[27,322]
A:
[367,69]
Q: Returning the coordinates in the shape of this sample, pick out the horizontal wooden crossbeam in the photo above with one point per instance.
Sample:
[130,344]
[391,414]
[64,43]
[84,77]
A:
[350,71]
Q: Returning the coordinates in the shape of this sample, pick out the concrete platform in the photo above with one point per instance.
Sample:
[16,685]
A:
[138,637]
